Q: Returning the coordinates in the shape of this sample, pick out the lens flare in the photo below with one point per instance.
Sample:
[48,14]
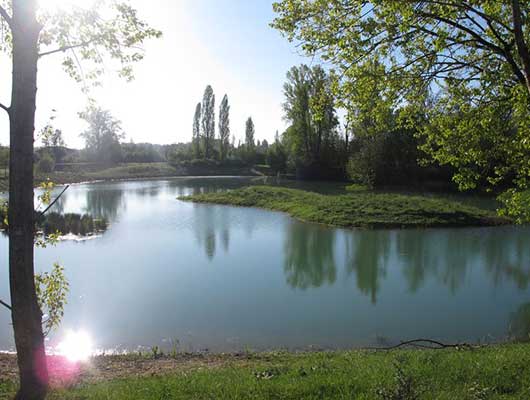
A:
[76,346]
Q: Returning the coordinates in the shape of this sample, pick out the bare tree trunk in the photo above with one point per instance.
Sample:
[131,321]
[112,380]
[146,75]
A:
[26,314]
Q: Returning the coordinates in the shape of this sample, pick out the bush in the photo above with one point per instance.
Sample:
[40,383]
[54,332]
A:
[46,164]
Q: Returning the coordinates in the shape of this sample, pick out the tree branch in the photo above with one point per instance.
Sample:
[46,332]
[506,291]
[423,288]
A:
[41,214]
[5,16]
[5,108]
[522,48]
[66,48]
[6,305]
[429,344]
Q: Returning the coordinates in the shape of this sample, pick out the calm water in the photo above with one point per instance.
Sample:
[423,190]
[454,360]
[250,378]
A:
[225,278]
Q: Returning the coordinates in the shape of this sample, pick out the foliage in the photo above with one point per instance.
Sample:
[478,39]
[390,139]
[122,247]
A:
[52,289]
[359,209]
[465,66]
[310,109]
[102,138]
[51,137]
[105,31]
[250,131]
[142,153]
[224,128]
[46,163]
[277,157]
[208,121]
[3,215]
[196,138]
[77,224]
[391,158]
[4,157]
[516,205]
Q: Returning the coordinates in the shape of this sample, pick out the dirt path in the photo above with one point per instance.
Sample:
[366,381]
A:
[64,373]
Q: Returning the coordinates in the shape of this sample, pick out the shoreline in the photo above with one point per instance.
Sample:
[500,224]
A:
[447,373]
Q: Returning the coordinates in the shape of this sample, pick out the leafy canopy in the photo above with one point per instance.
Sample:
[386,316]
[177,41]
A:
[463,66]
[88,34]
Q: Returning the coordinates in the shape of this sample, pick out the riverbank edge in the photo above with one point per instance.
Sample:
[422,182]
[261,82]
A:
[132,172]
[470,372]
[361,209]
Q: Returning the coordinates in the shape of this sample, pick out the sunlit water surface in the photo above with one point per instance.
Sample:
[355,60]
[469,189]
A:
[193,277]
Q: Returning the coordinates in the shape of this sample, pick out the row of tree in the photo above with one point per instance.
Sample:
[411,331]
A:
[207,145]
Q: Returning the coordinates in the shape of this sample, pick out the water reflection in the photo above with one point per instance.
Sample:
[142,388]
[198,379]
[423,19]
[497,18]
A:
[313,255]
[519,325]
[105,203]
[367,257]
[309,256]
[212,226]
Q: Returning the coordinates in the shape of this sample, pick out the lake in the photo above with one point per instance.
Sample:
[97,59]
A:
[206,277]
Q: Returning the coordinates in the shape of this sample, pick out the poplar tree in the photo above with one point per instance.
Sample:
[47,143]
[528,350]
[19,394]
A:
[196,139]
[224,127]
[249,135]
[208,121]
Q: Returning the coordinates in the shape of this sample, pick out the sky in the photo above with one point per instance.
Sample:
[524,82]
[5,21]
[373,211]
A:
[225,43]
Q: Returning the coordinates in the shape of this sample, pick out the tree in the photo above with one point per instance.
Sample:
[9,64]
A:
[249,135]
[102,138]
[224,127]
[310,109]
[51,137]
[465,65]
[208,121]
[85,35]
[196,139]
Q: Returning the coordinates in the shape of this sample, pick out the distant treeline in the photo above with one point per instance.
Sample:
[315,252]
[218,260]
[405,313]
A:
[374,148]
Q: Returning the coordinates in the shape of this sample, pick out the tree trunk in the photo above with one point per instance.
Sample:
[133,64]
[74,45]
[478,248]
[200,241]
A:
[522,48]
[26,314]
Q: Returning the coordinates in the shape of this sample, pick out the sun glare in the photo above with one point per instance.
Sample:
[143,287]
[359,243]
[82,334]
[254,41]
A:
[64,4]
[76,346]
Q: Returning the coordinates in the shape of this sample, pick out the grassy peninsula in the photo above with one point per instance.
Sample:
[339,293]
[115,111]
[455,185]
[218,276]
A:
[356,209]
[496,372]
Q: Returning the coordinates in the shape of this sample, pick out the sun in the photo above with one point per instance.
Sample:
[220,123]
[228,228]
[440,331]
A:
[76,346]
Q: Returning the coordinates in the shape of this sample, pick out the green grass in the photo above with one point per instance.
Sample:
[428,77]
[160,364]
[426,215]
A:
[356,209]
[497,372]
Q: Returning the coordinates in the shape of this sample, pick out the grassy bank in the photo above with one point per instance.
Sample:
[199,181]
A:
[356,209]
[497,372]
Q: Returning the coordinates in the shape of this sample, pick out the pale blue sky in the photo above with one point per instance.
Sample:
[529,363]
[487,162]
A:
[225,43]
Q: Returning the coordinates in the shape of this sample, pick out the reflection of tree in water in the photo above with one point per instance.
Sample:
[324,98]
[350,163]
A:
[449,257]
[458,253]
[309,255]
[212,224]
[148,191]
[519,325]
[511,260]
[367,255]
[417,252]
[104,203]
